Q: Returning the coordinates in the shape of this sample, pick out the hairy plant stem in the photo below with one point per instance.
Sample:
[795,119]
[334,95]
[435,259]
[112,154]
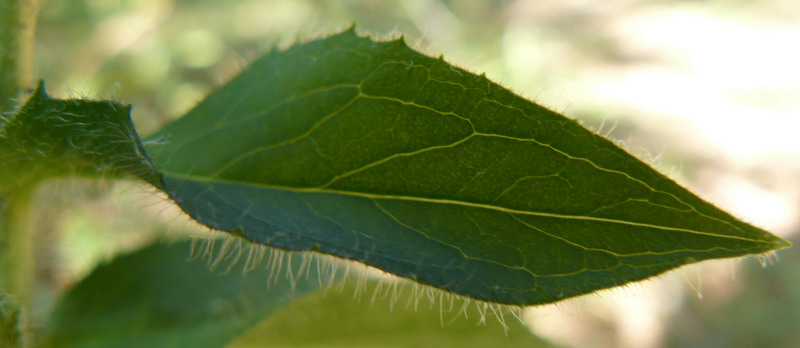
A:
[9,48]
[16,242]
[17,257]
[17,31]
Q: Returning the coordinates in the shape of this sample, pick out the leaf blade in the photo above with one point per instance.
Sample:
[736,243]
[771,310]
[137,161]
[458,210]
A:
[427,171]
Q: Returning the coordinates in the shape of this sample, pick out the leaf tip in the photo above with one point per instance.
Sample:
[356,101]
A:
[774,242]
[781,243]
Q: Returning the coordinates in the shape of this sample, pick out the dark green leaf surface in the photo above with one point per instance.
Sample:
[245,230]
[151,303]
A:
[380,319]
[155,297]
[374,152]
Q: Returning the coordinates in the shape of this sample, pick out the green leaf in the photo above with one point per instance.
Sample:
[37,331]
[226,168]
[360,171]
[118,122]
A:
[382,318]
[155,297]
[374,152]
[50,137]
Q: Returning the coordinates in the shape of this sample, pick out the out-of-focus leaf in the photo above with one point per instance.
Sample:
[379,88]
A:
[333,318]
[374,152]
[155,297]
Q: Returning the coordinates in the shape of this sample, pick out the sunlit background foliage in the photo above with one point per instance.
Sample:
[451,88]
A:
[708,91]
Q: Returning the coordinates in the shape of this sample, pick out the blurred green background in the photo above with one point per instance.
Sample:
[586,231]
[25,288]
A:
[707,91]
